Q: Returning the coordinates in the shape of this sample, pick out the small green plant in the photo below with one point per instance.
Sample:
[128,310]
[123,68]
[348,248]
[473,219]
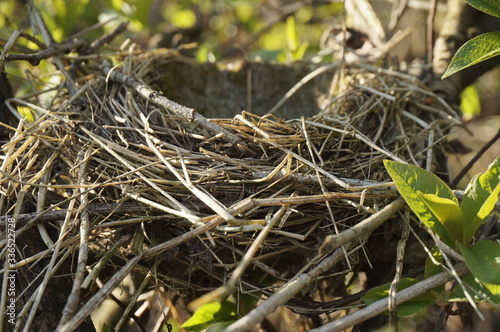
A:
[454,224]
[480,48]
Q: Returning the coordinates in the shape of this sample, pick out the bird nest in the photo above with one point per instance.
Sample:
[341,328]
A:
[111,178]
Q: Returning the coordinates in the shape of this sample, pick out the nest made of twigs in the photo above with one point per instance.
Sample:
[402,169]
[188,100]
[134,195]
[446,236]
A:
[134,181]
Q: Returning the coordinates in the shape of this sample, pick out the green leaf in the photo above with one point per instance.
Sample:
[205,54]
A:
[172,324]
[491,7]
[410,180]
[494,289]
[447,211]
[479,199]
[209,314]
[479,291]
[405,309]
[483,260]
[105,328]
[480,48]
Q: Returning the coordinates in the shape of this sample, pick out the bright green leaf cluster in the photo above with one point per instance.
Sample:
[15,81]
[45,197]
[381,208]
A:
[437,207]
[420,189]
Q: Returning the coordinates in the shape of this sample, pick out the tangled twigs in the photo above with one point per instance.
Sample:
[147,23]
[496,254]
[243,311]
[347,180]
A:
[38,24]
[157,98]
[381,306]
[53,50]
[304,280]
[98,43]
[118,277]
[365,227]
[99,297]
[289,290]
[51,215]
[231,285]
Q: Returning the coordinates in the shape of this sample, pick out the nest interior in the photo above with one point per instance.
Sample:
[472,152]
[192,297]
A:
[105,175]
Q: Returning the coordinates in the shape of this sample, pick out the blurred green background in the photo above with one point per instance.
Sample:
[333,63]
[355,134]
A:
[220,29]
[281,31]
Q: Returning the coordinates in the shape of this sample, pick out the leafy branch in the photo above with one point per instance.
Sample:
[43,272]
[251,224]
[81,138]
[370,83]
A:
[454,224]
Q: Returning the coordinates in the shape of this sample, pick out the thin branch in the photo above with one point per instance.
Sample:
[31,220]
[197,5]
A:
[230,286]
[402,296]
[99,297]
[51,51]
[51,215]
[74,297]
[38,24]
[430,31]
[365,227]
[157,98]
[474,159]
[292,287]
[400,254]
